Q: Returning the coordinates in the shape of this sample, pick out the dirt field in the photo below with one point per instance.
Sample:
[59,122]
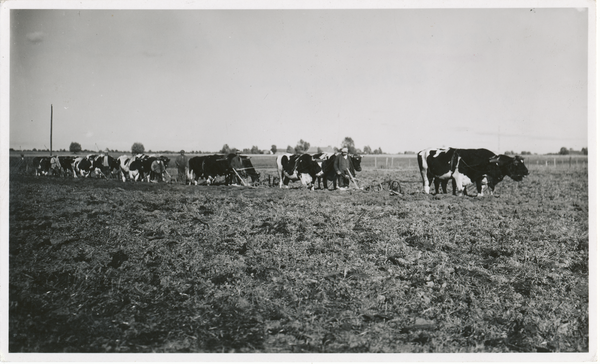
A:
[105,266]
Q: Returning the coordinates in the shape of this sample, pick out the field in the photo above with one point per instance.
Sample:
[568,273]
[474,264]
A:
[103,266]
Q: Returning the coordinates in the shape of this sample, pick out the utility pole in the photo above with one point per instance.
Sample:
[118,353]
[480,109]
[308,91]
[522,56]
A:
[51,113]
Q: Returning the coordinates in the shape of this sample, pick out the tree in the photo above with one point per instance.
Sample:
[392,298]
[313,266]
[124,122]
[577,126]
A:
[75,147]
[319,150]
[349,143]
[274,148]
[289,149]
[225,149]
[255,150]
[302,146]
[563,151]
[367,150]
[137,148]
[584,151]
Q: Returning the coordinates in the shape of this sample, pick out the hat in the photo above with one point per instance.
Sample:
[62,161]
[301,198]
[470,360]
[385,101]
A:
[344,150]
[182,152]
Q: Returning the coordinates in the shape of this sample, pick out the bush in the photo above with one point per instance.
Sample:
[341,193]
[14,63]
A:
[137,148]
[75,147]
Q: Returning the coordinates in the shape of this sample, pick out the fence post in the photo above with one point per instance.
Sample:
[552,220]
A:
[375,162]
[386,160]
[554,162]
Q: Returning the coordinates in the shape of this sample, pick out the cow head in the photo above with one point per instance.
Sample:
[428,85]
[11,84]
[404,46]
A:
[356,159]
[512,167]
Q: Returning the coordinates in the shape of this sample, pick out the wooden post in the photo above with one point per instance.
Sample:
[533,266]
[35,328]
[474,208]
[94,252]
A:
[386,160]
[375,162]
[51,113]
[554,162]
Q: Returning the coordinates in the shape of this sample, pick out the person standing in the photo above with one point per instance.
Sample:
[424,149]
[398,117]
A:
[341,166]
[181,163]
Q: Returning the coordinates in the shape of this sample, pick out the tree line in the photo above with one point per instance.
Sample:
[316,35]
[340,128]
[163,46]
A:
[301,147]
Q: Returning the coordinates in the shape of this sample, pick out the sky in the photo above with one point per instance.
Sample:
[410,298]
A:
[399,79]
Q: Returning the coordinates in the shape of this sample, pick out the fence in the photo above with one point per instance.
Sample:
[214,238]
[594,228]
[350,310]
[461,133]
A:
[410,161]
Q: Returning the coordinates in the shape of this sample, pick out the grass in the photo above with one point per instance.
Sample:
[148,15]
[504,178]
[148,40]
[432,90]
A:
[104,266]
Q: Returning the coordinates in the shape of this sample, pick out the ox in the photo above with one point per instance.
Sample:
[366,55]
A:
[467,166]
[294,167]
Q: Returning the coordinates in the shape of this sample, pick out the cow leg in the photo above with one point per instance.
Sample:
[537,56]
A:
[426,177]
[481,185]
[444,184]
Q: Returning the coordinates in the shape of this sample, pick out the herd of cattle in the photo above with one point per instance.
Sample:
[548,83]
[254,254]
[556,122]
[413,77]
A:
[438,165]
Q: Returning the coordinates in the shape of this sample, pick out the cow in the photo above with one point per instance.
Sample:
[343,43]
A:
[439,158]
[221,165]
[154,167]
[196,168]
[328,170]
[124,162]
[133,167]
[41,165]
[108,165]
[84,166]
[81,166]
[294,167]
[66,163]
[467,166]
[212,166]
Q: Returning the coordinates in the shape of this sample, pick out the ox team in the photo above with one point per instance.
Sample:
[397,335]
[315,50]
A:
[436,165]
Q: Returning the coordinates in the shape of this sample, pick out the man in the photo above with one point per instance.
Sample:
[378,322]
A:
[22,166]
[181,163]
[341,166]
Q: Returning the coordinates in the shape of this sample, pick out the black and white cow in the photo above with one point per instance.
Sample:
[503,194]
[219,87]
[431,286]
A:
[154,167]
[467,166]
[328,170]
[132,167]
[84,166]
[66,163]
[298,167]
[123,162]
[196,168]
[41,165]
[108,165]
[230,166]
